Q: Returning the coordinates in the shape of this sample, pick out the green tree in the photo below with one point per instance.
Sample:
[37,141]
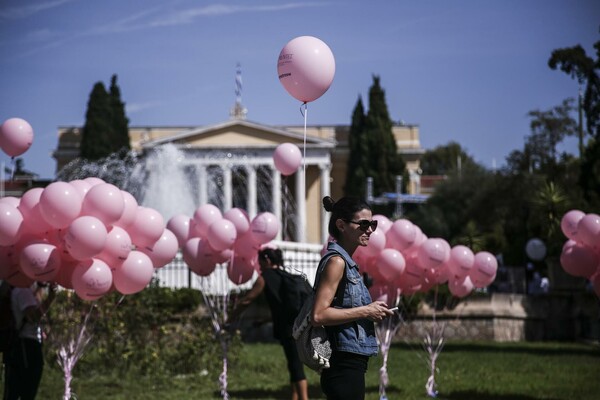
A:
[446,160]
[384,162]
[106,128]
[356,173]
[575,62]
[120,122]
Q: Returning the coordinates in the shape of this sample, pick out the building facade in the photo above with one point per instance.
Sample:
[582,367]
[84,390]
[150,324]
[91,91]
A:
[240,152]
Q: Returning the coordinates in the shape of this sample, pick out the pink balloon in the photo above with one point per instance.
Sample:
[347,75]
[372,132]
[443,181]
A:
[65,274]
[588,230]
[569,221]
[116,248]
[241,270]
[29,206]
[134,274]
[264,227]
[85,237]
[460,287]
[40,261]
[16,136]
[239,218]
[147,227]
[105,202]
[163,251]
[442,274]
[461,261]
[91,279]
[287,158]
[484,269]
[433,253]
[93,181]
[391,264]
[579,260]
[221,235]
[376,244]
[130,207]
[306,68]
[205,215]
[60,204]
[11,224]
[10,200]
[17,277]
[245,245]
[8,259]
[412,276]
[401,235]
[198,256]
[181,227]
[383,223]
[81,186]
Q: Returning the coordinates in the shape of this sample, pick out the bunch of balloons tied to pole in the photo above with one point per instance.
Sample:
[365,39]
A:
[402,259]
[210,237]
[86,235]
[580,254]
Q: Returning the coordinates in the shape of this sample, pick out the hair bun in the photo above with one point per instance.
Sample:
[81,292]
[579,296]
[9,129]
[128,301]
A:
[328,203]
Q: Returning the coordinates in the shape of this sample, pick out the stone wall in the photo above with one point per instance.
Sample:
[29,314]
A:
[501,317]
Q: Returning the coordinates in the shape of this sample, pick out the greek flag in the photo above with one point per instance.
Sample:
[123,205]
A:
[238,81]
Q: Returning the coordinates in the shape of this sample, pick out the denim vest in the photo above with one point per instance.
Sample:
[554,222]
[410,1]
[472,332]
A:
[358,336]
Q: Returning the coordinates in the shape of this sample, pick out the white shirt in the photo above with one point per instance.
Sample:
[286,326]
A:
[22,299]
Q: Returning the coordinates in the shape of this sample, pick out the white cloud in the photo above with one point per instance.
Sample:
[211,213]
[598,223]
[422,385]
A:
[30,9]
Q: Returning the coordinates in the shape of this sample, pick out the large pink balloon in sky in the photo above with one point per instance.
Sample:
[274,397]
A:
[16,136]
[306,67]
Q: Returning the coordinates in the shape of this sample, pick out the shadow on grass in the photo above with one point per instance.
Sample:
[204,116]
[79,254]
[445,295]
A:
[526,348]
[283,392]
[473,394]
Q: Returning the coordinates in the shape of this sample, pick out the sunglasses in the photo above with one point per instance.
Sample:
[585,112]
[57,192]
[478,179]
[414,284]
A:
[364,224]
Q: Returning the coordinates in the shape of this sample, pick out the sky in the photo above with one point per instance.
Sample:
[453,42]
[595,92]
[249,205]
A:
[467,71]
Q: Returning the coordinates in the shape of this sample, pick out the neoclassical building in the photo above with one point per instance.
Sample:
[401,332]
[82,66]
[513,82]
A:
[239,152]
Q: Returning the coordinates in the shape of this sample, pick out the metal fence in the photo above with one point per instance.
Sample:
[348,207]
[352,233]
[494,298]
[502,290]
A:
[301,258]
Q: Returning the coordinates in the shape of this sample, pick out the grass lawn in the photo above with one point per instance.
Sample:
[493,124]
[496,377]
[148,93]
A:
[469,370]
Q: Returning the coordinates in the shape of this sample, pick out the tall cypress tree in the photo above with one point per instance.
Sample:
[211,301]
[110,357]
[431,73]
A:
[356,173]
[120,122]
[106,129]
[384,162]
[96,139]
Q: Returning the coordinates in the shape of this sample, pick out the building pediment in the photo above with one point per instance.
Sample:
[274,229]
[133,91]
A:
[236,133]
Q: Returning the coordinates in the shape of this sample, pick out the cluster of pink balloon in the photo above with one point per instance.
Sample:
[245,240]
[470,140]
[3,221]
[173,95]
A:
[287,158]
[210,237]
[581,253]
[401,257]
[306,68]
[86,235]
[16,136]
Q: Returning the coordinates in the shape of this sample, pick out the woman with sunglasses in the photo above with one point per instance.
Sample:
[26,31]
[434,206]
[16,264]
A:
[343,303]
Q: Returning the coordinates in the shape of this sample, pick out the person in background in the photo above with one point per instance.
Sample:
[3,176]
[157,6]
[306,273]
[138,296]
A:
[270,282]
[343,303]
[25,361]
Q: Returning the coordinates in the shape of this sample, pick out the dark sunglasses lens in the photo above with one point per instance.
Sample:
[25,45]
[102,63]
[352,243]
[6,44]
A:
[364,224]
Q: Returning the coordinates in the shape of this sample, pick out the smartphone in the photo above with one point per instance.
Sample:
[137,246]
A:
[393,309]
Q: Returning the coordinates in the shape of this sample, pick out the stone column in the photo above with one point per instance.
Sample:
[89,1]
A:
[300,207]
[251,201]
[325,191]
[276,199]
[202,185]
[227,188]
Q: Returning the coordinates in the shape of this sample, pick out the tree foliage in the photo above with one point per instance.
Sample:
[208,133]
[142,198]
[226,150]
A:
[356,173]
[373,150]
[575,62]
[106,129]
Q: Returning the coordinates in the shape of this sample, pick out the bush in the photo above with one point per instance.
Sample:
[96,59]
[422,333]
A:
[158,331]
